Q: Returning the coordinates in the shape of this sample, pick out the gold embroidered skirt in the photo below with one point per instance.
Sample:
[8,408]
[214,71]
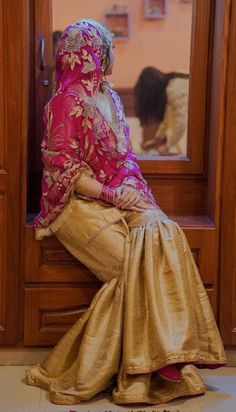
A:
[152,310]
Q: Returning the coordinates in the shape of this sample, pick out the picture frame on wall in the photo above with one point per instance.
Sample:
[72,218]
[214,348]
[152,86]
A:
[119,23]
[155,9]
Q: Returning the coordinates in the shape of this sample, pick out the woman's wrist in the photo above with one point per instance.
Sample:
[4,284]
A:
[107,195]
[87,186]
[130,185]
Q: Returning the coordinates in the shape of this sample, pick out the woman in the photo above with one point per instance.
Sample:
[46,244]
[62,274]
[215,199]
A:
[151,320]
[161,104]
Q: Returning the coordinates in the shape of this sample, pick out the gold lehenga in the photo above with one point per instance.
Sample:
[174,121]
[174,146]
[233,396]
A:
[151,310]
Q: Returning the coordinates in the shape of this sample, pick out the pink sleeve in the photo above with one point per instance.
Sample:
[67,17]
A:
[63,154]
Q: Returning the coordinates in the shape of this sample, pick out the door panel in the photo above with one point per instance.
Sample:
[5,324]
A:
[228,216]
[48,261]
[10,133]
[50,312]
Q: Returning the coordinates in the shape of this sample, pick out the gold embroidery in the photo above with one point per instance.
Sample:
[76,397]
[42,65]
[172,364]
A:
[76,111]
[90,84]
[70,59]
[74,40]
[89,66]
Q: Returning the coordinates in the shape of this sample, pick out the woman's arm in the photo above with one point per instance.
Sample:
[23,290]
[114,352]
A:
[124,197]
[88,186]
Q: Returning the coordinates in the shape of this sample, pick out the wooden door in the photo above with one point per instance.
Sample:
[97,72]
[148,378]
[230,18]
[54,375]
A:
[10,138]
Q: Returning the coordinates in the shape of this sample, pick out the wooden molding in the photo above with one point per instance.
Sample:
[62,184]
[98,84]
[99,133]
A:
[228,212]
[10,152]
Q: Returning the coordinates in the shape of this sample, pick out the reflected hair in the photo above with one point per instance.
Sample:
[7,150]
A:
[150,97]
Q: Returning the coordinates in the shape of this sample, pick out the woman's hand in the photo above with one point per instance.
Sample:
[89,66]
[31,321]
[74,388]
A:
[163,150]
[126,196]
[130,198]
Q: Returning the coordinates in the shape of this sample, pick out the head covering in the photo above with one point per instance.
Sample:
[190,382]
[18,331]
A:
[79,56]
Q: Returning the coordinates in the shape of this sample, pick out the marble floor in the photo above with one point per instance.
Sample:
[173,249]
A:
[17,396]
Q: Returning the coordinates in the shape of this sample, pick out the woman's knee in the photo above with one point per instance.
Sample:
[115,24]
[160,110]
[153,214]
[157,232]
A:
[136,219]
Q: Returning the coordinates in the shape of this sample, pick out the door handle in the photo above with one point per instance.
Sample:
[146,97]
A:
[42,53]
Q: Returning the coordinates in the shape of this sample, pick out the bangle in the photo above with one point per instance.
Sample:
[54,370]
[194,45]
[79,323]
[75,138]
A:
[107,195]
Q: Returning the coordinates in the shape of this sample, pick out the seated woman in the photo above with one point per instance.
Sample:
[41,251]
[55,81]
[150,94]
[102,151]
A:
[161,104]
[150,326]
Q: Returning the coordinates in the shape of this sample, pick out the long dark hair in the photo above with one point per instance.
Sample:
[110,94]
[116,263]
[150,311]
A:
[150,98]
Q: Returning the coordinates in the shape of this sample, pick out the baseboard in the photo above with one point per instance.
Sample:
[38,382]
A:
[22,356]
[30,356]
[231,357]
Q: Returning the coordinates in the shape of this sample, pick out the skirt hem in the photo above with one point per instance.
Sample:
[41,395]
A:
[166,398]
[174,359]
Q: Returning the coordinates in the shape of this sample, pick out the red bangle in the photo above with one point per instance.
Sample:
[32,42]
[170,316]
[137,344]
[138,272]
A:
[107,195]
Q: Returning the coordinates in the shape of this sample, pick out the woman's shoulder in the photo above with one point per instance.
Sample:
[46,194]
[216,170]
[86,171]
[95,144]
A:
[64,102]
[180,81]
[117,100]
[109,88]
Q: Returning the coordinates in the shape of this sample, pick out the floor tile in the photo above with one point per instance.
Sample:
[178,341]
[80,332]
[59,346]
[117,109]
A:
[15,394]
[221,390]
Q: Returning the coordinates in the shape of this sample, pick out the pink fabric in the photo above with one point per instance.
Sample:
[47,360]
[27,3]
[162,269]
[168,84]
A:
[77,137]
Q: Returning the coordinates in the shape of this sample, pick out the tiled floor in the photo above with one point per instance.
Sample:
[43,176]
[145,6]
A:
[17,396]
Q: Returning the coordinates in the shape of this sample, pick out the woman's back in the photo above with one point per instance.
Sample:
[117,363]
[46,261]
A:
[174,124]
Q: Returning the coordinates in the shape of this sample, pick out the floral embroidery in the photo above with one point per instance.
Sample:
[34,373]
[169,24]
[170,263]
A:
[73,41]
[90,84]
[94,41]
[74,143]
[72,59]
[89,66]
[76,111]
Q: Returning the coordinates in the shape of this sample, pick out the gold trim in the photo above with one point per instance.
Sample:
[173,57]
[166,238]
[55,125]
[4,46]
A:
[53,227]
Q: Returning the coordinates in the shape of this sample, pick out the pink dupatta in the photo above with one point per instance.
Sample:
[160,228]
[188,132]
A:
[77,137]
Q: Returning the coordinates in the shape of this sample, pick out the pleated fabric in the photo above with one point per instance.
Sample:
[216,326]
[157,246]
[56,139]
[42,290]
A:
[152,310]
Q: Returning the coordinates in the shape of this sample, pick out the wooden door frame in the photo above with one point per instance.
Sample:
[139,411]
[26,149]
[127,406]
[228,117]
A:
[227,315]
[11,103]
[201,39]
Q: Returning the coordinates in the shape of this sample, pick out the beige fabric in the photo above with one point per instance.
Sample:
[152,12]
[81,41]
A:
[151,310]
[175,122]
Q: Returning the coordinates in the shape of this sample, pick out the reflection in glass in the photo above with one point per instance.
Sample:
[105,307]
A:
[161,108]
[151,72]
